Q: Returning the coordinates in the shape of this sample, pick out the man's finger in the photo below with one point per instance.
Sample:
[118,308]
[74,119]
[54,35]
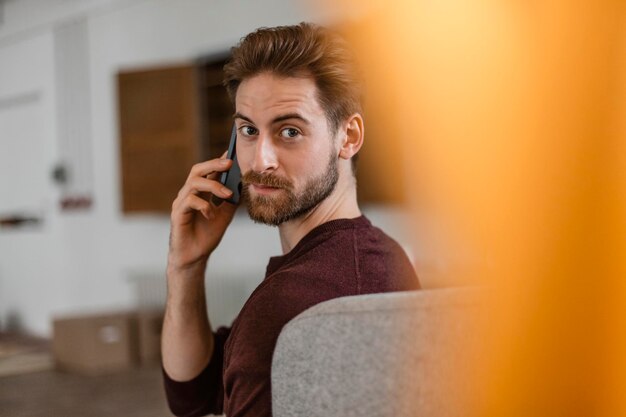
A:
[199,185]
[212,167]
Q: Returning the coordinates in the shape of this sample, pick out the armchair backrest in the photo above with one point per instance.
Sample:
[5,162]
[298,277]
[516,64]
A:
[391,354]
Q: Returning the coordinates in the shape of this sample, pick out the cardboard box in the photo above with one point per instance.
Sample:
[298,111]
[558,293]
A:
[96,344]
[150,323]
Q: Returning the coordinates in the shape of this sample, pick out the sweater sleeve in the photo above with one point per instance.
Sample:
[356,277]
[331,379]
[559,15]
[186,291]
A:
[203,394]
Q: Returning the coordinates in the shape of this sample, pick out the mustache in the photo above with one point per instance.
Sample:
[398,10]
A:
[268,180]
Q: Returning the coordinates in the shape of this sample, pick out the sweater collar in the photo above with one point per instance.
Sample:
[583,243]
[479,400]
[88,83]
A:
[311,239]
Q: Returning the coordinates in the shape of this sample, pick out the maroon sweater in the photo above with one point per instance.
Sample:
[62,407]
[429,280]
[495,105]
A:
[339,258]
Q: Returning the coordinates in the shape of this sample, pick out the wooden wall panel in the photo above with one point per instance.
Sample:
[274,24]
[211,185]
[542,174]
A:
[159,129]
[217,110]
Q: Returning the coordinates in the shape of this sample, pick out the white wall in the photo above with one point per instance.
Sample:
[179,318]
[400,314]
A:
[81,261]
[28,269]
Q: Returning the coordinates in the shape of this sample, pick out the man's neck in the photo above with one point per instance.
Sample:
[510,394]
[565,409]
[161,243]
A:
[340,204]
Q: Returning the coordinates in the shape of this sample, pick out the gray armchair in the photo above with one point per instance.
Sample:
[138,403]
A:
[393,354]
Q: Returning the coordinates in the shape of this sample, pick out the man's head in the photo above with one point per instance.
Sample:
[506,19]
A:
[303,50]
[298,104]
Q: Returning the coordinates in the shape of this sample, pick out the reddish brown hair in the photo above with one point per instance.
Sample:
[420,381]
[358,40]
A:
[301,50]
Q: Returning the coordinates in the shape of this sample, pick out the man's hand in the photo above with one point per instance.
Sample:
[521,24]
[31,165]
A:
[197,226]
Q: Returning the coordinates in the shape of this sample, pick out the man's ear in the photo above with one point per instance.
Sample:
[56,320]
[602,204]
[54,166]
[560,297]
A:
[354,131]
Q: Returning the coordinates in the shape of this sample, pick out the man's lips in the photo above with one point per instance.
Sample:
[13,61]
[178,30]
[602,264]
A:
[263,189]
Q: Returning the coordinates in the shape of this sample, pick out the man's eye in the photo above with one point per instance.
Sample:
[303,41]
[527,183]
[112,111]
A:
[289,133]
[248,130]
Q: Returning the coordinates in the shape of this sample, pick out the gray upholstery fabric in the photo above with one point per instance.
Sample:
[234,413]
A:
[392,354]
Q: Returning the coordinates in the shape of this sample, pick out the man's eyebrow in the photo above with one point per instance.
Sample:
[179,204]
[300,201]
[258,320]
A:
[238,115]
[277,119]
[290,116]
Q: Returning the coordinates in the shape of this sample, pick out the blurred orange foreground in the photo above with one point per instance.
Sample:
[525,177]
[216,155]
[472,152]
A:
[512,120]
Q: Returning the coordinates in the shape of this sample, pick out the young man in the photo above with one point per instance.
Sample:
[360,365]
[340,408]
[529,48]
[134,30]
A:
[299,127]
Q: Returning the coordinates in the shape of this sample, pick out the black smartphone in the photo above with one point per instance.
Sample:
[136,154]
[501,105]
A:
[231,178]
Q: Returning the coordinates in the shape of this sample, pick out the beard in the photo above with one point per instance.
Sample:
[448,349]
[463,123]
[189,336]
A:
[289,203]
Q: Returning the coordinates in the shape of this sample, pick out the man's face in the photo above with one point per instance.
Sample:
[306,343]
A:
[284,147]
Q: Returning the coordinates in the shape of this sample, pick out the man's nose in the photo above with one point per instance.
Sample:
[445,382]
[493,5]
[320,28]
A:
[264,154]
